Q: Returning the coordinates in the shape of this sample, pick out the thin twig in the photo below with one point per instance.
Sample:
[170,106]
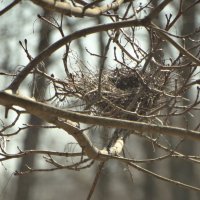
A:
[178,183]
[100,167]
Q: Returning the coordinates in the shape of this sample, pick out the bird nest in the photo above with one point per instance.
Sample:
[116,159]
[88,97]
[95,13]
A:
[122,93]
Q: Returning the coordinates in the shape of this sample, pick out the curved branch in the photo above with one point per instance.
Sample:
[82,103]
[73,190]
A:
[83,140]
[69,38]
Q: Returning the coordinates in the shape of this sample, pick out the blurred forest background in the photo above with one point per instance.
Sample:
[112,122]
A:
[116,181]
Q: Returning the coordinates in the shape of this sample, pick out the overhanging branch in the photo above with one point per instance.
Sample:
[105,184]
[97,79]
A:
[70,9]
[40,110]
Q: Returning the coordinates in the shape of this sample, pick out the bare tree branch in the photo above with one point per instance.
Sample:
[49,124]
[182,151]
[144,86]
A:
[178,183]
[10,6]
[67,39]
[50,113]
[69,9]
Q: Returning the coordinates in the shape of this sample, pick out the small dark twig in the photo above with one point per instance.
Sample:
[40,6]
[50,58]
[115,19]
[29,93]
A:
[100,167]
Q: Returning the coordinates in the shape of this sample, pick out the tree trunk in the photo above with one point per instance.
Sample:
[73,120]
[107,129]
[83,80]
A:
[185,172]
[25,183]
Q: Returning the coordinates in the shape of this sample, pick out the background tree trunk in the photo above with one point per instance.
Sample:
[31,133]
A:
[25,183]
[186,171]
